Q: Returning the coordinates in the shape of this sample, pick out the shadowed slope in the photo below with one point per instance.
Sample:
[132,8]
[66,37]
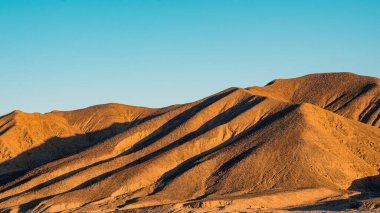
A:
[353,96]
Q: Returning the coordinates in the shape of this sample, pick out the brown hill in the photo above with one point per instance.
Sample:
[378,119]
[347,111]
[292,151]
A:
[355,97]
[288,144]
[40,138]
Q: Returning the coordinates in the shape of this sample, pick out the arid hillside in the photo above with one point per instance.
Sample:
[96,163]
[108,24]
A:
[308,143]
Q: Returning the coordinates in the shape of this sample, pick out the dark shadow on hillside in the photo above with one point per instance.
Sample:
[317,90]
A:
[5,129]
[168,127]
[225,117]
[3,116]
[368,186]
[161,132]
[192,162]
[56,148]
[362,91]
[6,125]
[370,111]
[178,120]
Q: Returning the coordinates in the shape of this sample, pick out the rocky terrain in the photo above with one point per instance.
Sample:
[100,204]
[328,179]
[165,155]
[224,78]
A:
[308,143]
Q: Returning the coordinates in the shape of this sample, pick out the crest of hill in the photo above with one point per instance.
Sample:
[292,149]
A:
[20,132]
[102,116]
[350,95]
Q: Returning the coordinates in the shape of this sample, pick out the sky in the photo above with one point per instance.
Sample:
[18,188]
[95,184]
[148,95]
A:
[71,54]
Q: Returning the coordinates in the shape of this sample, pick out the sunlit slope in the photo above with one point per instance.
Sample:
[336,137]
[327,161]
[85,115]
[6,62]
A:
[235,144]
[21,132]
[37,138]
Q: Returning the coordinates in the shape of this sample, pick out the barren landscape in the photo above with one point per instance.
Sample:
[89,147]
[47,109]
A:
[308,143]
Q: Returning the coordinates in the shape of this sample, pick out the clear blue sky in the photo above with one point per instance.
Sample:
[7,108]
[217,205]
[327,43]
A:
[69,54]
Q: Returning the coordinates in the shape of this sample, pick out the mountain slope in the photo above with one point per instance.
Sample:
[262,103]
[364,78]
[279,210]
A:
[353,96]
[37,138]
[239,144]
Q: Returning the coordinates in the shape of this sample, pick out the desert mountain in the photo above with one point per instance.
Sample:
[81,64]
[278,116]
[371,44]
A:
[287,145]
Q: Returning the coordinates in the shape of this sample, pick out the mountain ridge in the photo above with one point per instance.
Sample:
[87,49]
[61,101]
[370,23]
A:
[319,131]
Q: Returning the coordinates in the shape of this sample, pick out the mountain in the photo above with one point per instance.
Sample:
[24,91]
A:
[308,143]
